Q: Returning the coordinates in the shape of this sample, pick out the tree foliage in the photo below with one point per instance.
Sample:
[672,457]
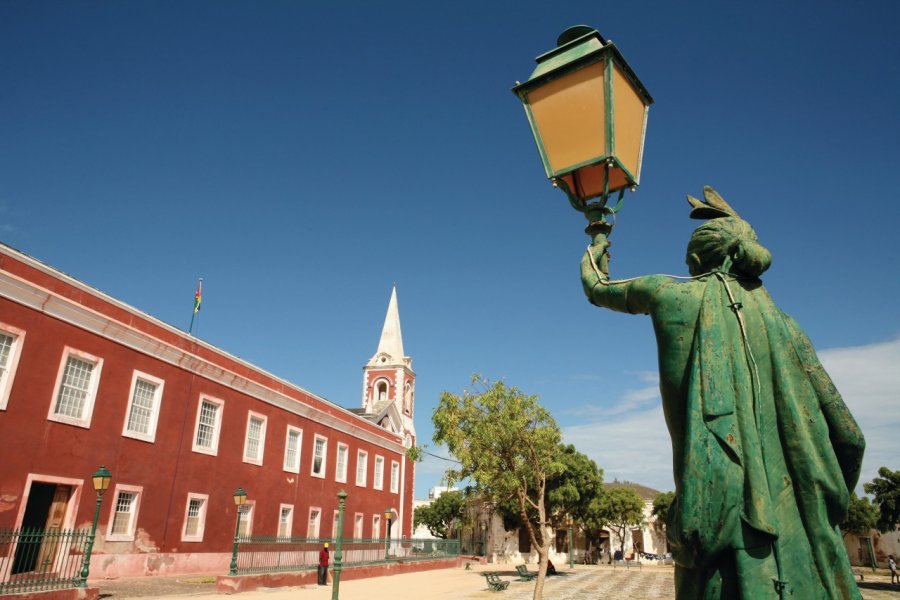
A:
[441,517]
[574,490]
[862,516]
[661,505]
[621,508]
[886,490]
[508,444]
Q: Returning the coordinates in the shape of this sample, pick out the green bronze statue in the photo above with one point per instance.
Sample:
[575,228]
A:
[765,451]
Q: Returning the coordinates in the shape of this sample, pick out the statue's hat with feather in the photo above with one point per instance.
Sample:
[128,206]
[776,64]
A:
[714,207]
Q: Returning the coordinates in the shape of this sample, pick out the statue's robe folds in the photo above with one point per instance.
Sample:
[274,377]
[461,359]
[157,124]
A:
[765,454]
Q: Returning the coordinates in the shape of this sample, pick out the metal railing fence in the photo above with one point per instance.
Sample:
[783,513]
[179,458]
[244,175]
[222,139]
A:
[36,560]
[267,554]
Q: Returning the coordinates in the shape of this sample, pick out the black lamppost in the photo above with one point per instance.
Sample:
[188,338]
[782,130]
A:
[240,498]
[100,480]
[387,538]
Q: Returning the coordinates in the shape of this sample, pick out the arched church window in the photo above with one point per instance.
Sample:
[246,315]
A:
[407,398]
[382,391]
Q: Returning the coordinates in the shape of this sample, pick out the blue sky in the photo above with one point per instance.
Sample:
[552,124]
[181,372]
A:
[304,156]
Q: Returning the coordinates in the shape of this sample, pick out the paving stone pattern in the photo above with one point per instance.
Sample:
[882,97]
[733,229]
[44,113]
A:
[591,584]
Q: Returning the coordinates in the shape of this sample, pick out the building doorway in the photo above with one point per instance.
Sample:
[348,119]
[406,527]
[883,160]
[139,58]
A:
[45,510]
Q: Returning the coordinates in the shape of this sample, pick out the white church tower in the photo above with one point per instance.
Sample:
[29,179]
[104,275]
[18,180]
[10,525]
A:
[389,383]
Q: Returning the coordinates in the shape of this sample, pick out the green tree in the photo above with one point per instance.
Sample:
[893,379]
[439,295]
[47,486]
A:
[569,492]
[507,443]
[661,505]
[862,516]
[886,490]
[621,508]
[441,517]
[573,491]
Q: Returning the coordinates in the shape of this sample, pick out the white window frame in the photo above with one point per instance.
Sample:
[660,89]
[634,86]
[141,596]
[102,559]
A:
[378,474]
[201,518]
[87,410]
[314,526]
[214,450]
[150,436]
[295,466]
[376,527]
[362,467]
[359,520]
[395,477]
[12,361]
[322,468]
[334,524]
[128,536]
[248,509]
[340,469]
[289,526]
[261,447]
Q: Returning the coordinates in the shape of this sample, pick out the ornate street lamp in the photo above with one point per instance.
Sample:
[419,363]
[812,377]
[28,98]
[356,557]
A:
[387,528]
[100,480]
[588,113]
[240,498]
[338,546]
[571,523]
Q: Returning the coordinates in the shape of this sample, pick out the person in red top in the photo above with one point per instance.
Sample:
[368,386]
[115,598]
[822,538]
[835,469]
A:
[323,565]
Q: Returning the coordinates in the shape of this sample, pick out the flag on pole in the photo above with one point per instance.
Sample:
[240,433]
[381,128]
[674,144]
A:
[198,296]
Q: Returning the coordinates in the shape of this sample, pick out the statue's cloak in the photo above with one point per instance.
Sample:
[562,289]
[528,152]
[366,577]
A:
[767,458]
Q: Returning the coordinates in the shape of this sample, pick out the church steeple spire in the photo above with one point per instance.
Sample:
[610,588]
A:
[390,345]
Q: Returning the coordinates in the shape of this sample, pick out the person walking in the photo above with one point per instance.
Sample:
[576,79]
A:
[323,565]
[892,565]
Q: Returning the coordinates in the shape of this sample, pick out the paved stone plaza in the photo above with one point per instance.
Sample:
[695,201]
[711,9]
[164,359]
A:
[582,583]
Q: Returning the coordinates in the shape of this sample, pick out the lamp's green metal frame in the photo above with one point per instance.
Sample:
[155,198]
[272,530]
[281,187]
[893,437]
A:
[579,47]
[101,473]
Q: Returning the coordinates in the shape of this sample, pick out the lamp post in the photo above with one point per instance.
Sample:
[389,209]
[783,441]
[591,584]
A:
[338,546]
[571,524]
[240,498]
[100,480]
[387,536]
[588,113]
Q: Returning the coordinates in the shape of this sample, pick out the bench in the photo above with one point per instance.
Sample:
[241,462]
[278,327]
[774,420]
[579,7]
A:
[495,583]
[524,573]
[627,563]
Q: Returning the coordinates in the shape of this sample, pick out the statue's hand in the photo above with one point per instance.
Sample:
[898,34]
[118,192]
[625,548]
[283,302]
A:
[594,267]
[596,261]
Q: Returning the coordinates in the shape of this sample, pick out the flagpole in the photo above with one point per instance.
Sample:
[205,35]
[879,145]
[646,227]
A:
[197,300]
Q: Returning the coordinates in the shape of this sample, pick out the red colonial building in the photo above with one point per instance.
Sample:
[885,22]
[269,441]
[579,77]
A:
[86,380]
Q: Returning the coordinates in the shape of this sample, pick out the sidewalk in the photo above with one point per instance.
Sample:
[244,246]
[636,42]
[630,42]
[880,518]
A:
[588,582]
[581,583]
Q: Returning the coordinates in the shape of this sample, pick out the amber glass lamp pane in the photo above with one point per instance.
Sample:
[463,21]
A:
[587,182]
[569,114]
[630,112]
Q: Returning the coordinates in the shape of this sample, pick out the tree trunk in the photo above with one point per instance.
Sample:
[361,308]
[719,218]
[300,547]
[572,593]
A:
[543,556]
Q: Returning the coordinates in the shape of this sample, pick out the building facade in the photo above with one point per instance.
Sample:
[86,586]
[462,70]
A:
[86,380]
